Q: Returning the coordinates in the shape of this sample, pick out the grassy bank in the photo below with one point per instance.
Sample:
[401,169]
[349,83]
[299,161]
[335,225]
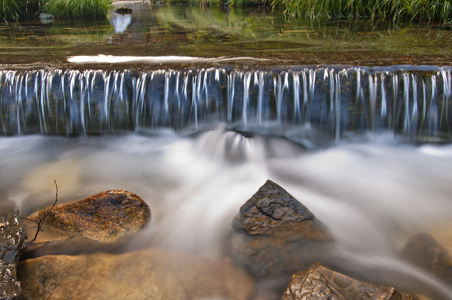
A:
[377,10]
[77,9]
[20,10]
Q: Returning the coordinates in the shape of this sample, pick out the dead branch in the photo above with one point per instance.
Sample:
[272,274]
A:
[41,220]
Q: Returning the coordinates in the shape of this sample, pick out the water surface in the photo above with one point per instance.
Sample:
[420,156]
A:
[158,30]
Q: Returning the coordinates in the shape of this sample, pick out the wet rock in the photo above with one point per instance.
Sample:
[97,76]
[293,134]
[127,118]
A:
[13,240]
[123,10]
[145,274]
[322,283]
[105,217]
[424,251]
[275,234]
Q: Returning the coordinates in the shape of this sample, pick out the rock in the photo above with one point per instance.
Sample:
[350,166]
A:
[275,234]
[424,251]
[105,217]
[123,10]
[144,274]
[13,240]
[322,283]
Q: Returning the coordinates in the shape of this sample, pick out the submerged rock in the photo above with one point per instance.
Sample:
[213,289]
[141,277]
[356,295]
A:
[424,251]
[145,274]
[13,240]
[105,217]
[275,234]
[322,283]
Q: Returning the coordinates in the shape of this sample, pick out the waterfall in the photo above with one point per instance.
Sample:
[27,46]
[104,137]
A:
[413,102]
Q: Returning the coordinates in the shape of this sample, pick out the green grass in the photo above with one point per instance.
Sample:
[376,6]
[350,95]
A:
[376,10]
[20,10]
[77,9]
[17,10]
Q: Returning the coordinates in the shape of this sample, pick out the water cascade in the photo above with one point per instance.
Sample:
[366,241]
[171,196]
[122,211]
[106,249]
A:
[413,102]
[221,133]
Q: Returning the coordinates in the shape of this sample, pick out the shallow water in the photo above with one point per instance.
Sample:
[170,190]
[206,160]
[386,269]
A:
[373,194]
[156,30]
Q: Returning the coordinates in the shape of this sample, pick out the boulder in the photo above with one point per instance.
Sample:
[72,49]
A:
[424,251]
[13,241]
[104,217]
[102,222]
[144,274]
[275,234]
[319,283]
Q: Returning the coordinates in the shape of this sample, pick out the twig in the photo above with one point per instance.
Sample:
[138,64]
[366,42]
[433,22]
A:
[41,220]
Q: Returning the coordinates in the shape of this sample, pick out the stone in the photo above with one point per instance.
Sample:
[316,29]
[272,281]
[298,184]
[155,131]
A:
[319,282]
[424,251]
[13,241]
[105,217]
[143,274]
[275,234]
[123,10]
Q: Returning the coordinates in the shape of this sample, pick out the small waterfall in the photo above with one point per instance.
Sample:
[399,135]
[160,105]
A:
[409,101]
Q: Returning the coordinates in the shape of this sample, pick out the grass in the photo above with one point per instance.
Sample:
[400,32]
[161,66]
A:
[20,10]
[376,10]
[77,9]
[16,10]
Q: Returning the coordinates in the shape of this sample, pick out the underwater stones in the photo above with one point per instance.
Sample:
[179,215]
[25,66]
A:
[145,274]
[13,240]
[319,282]
[105,217]
[424,251]
[275,234]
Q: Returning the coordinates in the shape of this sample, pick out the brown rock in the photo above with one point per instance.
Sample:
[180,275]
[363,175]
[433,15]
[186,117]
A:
[145,274]
[322,283]
[13,240]
[275,234]
[105,217]
[424,251]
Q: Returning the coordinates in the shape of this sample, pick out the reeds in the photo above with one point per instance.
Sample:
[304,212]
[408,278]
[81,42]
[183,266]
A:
[77,9]
[20,10]
[17,10]
[376,10]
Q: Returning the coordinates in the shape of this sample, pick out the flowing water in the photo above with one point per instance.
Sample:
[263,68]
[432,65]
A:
[202,115]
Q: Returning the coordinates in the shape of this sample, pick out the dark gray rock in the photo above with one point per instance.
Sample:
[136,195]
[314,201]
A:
[275,234]
[13,241]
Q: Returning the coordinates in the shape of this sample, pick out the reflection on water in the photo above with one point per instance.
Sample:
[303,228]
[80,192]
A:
[211,32]
[373,196]
[120,22]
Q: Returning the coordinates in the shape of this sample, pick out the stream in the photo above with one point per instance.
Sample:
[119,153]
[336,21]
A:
[193,109]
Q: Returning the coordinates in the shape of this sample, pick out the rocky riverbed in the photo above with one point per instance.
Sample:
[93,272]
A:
[276,249]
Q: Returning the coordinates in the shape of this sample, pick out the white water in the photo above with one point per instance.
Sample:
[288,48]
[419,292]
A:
[373,195]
